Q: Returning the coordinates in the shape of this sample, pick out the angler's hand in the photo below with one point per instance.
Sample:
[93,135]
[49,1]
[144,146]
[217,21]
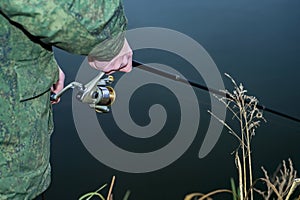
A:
[122,62]
[59,85]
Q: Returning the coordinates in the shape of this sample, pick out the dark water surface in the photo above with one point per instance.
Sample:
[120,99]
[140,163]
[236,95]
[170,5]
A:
[257,42]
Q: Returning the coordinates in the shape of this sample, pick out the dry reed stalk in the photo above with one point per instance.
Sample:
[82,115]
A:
[244,109]
[239,167]
[109,195]
[282,184]
[293,187]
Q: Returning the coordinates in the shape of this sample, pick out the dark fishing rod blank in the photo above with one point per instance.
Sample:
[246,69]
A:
[177,78]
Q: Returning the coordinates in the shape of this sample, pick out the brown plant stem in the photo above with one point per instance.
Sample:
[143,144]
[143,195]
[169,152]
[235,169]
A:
[293,187]
[109,195]
[248,135]
[244,186]
[214,192]
[238,163]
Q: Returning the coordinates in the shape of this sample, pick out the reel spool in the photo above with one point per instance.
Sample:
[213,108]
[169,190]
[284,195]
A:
[105,96]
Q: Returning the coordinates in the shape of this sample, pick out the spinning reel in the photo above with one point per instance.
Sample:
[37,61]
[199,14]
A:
[96,93]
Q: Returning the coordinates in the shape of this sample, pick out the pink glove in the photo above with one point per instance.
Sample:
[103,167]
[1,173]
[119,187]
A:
[121,62]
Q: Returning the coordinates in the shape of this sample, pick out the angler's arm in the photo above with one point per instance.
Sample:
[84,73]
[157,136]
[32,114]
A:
[76,26]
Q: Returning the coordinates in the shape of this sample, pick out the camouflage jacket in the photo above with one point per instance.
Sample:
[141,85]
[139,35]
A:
[30,27]
[28,30]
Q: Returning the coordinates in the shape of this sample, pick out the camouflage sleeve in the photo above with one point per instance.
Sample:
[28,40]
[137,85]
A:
[73,25]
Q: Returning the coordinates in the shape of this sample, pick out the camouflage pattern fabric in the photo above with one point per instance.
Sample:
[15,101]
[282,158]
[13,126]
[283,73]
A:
[28,30]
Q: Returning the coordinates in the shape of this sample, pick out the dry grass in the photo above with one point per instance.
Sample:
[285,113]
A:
[282,184]
[244,109]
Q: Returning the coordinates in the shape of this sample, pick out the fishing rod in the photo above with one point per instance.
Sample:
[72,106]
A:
[100,96]
[175,77]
